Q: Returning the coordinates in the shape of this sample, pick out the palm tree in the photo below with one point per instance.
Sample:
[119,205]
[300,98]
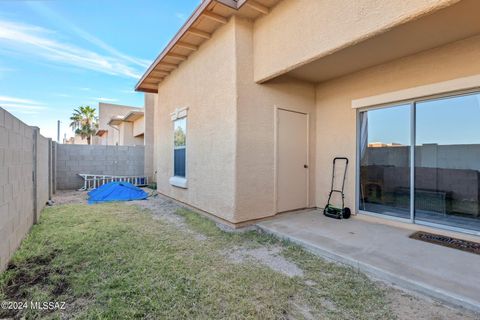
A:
[84,122]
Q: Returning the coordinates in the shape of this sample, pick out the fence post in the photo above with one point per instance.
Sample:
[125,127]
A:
[54,167]
[50,169]
[34,173]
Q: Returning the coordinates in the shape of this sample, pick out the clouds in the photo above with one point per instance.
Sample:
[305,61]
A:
[21,105]
[51,15]
[106,99]
[181,16]
[33,40]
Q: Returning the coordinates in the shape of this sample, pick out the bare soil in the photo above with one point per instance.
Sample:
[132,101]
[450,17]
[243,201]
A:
[70,197]
[409,305]
[34,271]
[267,256]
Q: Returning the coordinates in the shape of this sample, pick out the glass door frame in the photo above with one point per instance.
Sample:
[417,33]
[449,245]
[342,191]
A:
[412,103]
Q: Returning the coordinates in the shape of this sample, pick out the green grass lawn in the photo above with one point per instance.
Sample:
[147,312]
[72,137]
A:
[115,261]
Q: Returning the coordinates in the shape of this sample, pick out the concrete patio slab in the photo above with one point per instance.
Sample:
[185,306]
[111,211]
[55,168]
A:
[387,253]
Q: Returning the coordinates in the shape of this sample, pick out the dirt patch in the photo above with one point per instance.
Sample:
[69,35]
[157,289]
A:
[70,197]
[34,271]
[303,310]
[75,307]
[407,305]
[267,256]
[162,208]
[310,283]
[165,209]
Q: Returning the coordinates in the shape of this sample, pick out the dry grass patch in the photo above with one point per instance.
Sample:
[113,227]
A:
[115,261]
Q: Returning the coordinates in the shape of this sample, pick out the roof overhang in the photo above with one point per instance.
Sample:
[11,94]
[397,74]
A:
[133,116]
[101,132]
[115,121]
[455,22]
[208,17]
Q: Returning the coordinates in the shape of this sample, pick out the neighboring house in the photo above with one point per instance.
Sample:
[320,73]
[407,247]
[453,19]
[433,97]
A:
[256,98]
[120,125]
[77,139]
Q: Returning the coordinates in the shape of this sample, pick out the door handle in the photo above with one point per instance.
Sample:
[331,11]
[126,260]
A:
[305,166]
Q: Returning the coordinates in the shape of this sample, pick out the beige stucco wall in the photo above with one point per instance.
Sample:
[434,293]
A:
[77,139]
[230,127]
[334,101]
[211,126]
[139,126]
[256,158]
[231,118]
[105,113]
[150,100]
[314,29]
[126,135]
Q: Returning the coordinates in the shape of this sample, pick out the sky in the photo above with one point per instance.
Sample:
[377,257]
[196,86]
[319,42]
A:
[453,120]
[56,55]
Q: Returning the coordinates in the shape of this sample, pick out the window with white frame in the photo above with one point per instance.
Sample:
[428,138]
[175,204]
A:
[179,177]
[179,147]
[420,161]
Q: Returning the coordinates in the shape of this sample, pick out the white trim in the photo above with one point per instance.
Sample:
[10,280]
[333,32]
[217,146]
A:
[411,102]
[445,87]
[179,182]
[179,113]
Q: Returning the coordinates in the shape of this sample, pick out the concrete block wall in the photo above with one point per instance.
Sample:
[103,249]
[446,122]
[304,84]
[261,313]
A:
[17,182]
[43,146]
[96,159]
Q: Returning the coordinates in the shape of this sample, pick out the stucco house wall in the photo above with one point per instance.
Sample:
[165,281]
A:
[314,29]
[105,113]
[211,127]
[150,101]
[235,81]
[139,127]
[256,107]
[334,100]
[126,135]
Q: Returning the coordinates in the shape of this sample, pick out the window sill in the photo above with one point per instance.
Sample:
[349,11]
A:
[179,182]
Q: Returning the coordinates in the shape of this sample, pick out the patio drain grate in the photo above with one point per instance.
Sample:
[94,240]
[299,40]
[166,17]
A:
[445,241]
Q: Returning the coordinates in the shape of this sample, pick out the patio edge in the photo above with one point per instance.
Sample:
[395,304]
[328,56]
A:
[379,274]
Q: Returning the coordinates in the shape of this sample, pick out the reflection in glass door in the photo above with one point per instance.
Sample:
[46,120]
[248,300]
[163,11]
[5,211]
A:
[447,161]
[384,147]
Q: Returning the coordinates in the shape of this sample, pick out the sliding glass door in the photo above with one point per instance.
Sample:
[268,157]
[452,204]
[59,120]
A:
[385,161]
[443,186]
[447,161]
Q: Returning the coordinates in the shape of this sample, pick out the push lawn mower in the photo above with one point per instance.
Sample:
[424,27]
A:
[330,210]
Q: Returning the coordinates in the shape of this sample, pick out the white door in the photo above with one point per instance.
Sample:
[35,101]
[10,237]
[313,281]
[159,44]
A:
[292,160]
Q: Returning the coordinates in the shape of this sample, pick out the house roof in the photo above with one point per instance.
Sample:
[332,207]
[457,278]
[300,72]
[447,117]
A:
[129,117]
[101,132]
[208,17]
[132,116]
[115,121]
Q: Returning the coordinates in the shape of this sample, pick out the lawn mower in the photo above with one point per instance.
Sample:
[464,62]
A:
[330,210]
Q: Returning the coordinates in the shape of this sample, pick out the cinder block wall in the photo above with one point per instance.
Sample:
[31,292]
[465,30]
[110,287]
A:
[43,173]
[18,183]
[95,159]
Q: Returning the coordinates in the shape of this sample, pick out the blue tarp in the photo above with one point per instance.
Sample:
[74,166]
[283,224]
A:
[116,191]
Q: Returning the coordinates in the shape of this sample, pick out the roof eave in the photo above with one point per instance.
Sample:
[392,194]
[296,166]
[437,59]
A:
[195,15]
